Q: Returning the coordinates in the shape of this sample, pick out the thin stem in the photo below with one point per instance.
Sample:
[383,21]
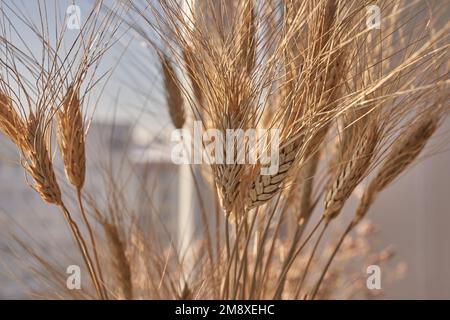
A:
[231,259]
[327,266]
[269,259]
[218,243]
[83,249]
[92,239]
[290,260]
[237,246]
[227,242]
[260,247]
[316,245]
[291,252]
[243,260]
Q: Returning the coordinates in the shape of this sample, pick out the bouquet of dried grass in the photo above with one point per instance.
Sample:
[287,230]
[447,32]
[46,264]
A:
[347,100]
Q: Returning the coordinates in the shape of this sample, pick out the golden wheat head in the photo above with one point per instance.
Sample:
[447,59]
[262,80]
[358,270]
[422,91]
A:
[71,138]
[173,93]
[10,122]
[401,155]
[38,162]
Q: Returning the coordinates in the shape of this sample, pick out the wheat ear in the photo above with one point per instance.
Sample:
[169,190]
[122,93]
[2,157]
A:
[402,154]
[39,165]
[71,138]
[266,187]
[119,261]
[173,93]
[38,162]
[326,77]
[353,168]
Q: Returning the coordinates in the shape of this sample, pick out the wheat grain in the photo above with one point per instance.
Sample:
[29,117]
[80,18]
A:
[321,101]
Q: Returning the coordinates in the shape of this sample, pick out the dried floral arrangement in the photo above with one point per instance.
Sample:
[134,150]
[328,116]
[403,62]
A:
[355,107]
